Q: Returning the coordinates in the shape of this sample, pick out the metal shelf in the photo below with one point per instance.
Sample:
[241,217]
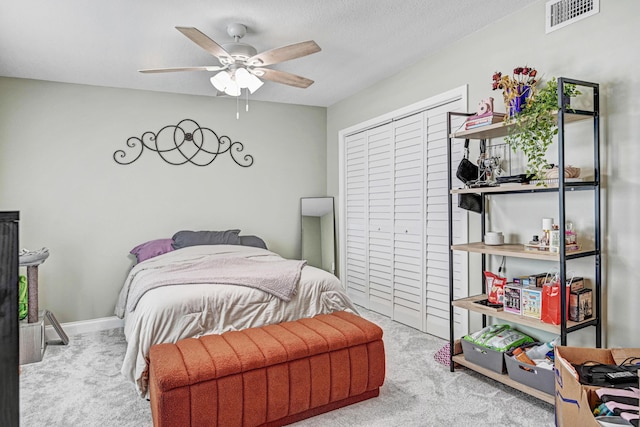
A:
[527,188]
[517,250]
[499,130]
[563,116]
[470,304]
[504,379]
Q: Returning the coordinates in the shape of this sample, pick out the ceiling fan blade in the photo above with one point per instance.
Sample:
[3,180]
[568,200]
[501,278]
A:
[282,77]
[170,70]
[205,42]
[284,53]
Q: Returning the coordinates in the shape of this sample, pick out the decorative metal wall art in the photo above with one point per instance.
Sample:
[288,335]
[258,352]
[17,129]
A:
[185,142]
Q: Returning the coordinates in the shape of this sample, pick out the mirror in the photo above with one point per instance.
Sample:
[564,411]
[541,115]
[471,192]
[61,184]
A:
[318,232]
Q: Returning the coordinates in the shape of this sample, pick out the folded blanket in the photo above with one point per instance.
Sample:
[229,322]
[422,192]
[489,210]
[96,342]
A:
[279,278]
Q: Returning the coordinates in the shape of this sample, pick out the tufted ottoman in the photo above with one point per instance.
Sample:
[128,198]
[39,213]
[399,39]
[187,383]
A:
[271,375]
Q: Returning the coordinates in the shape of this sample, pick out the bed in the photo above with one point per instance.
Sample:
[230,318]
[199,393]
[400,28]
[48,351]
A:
[174,295]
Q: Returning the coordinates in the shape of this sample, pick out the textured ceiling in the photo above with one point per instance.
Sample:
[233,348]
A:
[103,43]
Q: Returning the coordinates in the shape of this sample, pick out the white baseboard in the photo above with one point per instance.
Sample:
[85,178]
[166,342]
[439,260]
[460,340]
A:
[82,326]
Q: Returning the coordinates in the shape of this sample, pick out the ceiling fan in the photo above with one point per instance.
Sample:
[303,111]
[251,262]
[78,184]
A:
[241,66]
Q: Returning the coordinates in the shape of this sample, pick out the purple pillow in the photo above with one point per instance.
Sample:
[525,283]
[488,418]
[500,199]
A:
[152,248]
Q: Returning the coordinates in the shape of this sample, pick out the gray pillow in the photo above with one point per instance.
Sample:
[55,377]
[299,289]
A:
[253,241]
[182,239]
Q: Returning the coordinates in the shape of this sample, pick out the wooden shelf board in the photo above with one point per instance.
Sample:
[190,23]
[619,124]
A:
[504,379]
[524,188]
[515,250]
[469,304]
[498,130]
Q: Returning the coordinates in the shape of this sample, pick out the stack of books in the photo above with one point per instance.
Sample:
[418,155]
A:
[483,120]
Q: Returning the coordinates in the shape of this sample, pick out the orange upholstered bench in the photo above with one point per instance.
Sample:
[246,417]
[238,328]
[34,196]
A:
[272,375]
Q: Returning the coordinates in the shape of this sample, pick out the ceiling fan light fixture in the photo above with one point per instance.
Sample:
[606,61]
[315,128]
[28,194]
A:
[221,80]
[254,83]
[240,64]
[233,89]
[247,80]
[242,77]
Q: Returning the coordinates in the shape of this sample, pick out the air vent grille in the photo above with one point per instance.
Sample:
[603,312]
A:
[564,12]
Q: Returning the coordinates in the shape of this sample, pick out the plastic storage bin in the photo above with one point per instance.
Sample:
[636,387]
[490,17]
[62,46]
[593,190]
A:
[533,376]
[483,356]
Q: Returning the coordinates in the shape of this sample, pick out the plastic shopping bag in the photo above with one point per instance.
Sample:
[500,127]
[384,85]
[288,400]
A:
[551,300]
[22,298]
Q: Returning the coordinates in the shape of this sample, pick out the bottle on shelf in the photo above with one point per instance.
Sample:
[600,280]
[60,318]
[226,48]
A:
[539,352]
[521,356]
[554,242]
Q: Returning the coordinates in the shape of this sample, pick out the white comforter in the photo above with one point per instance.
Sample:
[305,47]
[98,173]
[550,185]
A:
[173,312]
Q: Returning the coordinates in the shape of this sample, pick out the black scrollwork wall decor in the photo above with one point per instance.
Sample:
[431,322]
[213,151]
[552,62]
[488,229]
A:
[185,142]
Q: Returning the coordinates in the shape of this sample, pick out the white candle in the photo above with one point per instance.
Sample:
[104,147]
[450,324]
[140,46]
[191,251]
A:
[547,223]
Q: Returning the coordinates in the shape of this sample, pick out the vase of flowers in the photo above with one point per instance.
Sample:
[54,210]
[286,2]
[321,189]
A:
[518,89]
[531,115]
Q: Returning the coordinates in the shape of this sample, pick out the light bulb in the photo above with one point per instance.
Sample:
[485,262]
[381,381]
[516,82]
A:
[232,89]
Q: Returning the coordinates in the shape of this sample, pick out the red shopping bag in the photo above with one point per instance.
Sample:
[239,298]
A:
[551,302]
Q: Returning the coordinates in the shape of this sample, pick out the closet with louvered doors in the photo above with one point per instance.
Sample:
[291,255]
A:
[393,200]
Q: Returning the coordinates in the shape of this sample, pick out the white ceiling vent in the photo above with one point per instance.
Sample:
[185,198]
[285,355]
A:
[561,13]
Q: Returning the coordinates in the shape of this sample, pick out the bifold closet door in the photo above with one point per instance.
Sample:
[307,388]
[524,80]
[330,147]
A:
[394,234]
[408,223]
[355,188]
[380,218]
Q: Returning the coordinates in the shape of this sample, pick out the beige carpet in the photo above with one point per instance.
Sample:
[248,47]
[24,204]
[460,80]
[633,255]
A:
[80,385]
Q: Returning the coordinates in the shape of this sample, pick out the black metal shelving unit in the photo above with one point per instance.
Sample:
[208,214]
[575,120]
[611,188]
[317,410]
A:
[565,115]
[9,333]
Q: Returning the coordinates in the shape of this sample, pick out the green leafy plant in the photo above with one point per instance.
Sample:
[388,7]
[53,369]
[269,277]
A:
[535,126]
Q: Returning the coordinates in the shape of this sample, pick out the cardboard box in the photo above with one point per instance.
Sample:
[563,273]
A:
[580,305]
[513,298]
[537,280]
[574,401]
[532,302]
[522,281]
[576,284]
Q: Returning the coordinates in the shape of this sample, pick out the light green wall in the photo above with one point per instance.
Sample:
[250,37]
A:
[56,167]
[603,49]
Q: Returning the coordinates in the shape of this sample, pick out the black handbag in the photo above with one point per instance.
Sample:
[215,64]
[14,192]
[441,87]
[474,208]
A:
[470,201]
[467,171]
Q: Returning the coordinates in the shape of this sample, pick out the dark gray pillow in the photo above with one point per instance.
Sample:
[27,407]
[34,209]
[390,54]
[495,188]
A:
[182,239]
[253,241]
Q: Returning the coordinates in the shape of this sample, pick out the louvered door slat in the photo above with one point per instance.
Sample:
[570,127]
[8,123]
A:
[356,275]
[380,190]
